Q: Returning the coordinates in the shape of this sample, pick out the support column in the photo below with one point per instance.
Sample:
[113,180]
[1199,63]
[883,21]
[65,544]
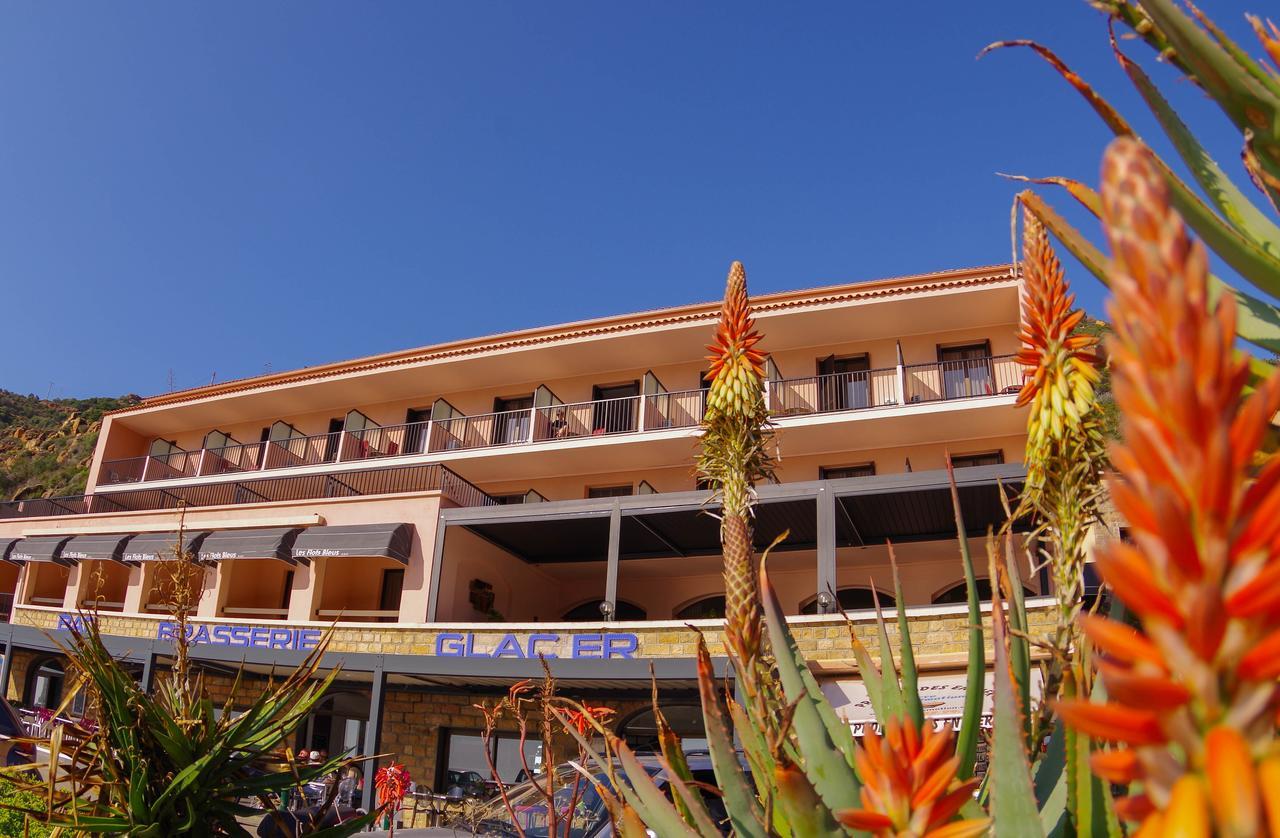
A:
[611,571]
[212,595]
[373,734]
[437,570]
[6,666]
[826,544]
[148,672]
[304,596]
[140,580]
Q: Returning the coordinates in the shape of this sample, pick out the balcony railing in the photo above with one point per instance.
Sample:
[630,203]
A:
[970,378]
[379,481]
[835,392]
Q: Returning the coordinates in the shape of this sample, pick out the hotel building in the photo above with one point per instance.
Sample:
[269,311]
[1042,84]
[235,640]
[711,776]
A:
[458,510]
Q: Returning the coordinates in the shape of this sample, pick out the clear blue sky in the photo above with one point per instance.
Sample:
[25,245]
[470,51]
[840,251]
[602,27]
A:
[223,188]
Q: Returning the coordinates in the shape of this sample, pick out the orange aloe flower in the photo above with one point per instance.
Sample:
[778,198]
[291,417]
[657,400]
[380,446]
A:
[588,716]
[737,367]
[909,785]
[1192,695]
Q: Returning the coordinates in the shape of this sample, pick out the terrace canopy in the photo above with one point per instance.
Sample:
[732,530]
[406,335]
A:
[272,543]
[154,546]
[102,547]
[817,516]
[392,541]
[40,549]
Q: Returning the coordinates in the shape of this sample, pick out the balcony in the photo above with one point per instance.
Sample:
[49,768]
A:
[357,483]
[902,387]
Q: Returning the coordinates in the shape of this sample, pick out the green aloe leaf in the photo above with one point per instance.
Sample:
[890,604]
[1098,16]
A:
[1013,800]
[894,706]
[739,799]
[1019,642]
[648,800]
[975,677]
[823,762]
[1051,784]
[1234,205]
[910,675]
[805,811]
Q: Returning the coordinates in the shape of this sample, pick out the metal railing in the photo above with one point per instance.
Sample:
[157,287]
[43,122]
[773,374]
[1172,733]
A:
[486,430]
[681,409]
[969,378]
[595,418]
[232,459]
[834,392]
[380,481]
[384,441]
[171,465]
[302,450]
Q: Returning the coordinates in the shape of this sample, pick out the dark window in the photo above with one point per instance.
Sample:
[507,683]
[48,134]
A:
[463,765]
[840,472]
[852,599]
[843,383]
[335,436]
[513,420]
[45,684]
[988,458]
[414,435]
[609,491]
[702,380]
[614,410]
[966,370]
[589,611]
[707,608]
[507,500]
[392,586]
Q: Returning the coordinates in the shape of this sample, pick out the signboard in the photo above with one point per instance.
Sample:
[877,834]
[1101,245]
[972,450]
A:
[244,637]
[580,646]
[73,621]
[942,696]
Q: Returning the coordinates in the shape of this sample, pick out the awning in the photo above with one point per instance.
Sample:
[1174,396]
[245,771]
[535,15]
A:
[103,547]
[275,543]
[6,546]
[155,546]
[41,548]
[392,541]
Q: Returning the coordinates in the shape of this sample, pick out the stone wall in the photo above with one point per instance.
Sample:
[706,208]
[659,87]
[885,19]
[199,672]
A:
[939,635]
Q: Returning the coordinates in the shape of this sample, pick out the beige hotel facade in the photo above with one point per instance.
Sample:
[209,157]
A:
[458,511]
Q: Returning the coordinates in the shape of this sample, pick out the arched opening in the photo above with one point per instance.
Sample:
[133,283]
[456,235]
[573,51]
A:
[46,684]
[852,598]
[640,730]
[958,595]
[706,608]
[590,611]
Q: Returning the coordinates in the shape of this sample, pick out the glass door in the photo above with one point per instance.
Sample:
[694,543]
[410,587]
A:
[966,370]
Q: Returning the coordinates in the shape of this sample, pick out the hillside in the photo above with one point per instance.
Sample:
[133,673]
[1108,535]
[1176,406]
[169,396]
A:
[45,446]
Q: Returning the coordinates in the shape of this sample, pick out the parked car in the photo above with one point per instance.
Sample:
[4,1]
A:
[590,819]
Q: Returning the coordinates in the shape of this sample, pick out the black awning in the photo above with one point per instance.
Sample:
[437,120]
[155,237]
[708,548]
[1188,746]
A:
[104,547]
[6,546]
[41,548]
[921,515]
[155,546]
[392,541]
[275,543]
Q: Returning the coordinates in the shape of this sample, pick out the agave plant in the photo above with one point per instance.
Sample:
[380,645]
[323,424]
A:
[1244,235]
[171,762]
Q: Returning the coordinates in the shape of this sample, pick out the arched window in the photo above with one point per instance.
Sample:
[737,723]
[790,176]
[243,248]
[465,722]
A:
[957,595]
[640,730]
[707,608]
[45,684]
[590,611]
[851,599]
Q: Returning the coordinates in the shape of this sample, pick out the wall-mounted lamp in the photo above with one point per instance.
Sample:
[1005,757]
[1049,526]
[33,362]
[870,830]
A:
[824,602]
[606,609]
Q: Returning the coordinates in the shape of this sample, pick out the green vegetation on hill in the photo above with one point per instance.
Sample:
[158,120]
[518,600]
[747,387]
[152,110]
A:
[46,446]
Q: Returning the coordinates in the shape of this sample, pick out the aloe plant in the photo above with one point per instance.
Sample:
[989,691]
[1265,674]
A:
[170,761]
[1235,227]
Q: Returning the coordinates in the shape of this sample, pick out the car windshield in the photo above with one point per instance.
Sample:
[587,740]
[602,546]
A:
[578,810]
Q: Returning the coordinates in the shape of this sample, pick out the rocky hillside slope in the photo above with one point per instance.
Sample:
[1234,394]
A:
[45,446]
